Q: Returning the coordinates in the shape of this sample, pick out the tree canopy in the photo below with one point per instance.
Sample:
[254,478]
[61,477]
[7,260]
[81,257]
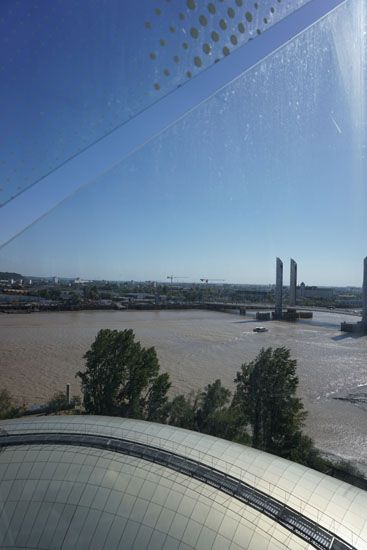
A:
[122,378]
[59,402]
[8,407]
[266,394]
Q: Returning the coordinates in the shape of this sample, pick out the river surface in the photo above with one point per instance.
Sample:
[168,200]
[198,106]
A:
[41,352]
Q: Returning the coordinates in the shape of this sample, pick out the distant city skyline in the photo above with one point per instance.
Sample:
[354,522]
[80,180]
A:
[164,280]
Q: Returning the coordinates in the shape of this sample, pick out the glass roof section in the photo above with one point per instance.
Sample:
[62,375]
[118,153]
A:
[307,491]
[72,497]
[295,522]
[321,498]
[73,73]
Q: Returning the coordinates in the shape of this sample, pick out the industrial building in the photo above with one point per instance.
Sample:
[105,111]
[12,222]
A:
[315,292]
[93,483]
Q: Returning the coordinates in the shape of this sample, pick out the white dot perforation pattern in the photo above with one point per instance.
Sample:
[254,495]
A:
[60,497]
[69,69]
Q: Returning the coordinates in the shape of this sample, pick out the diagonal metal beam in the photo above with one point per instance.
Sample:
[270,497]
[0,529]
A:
[36,202]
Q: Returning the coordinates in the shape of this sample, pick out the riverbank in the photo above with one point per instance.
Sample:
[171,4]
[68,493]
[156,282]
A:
[242,309]
[39,307]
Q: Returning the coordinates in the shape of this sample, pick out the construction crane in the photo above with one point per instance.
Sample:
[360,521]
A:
[172,277]
[206,281]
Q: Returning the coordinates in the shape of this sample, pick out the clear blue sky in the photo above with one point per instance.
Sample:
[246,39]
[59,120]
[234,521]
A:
[274,165]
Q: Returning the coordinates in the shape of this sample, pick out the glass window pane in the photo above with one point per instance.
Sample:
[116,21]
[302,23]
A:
[78,65]
[217,194]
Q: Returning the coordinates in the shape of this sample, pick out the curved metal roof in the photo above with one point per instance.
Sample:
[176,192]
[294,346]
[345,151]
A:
[308,496]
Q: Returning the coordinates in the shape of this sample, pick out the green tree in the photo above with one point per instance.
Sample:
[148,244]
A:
[228,423]
[214,397]
[137,376]
[75,299]
[122,378]
[182,412]
[50,293]
[209,411]
[59,402]
[157,399]
[305,452]
[266,394]
[212,400]
[8,407]
[91,292]
[215,415]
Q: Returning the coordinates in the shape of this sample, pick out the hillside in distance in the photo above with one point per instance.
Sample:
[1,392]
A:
[10,275]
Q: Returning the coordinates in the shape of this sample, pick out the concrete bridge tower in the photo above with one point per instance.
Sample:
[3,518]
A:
[293,284]
[278,314]
[364,295]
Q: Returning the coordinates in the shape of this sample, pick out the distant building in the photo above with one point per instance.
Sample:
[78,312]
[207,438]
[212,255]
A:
[304,291]
[347,301]
[254,295]
[140,296]
[69,294]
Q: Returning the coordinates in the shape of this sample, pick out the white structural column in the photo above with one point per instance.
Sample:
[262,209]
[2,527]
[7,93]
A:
[293,284]
[279,289]
[364,289]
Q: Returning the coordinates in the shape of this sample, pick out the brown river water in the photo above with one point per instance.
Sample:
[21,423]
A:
[41,352]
